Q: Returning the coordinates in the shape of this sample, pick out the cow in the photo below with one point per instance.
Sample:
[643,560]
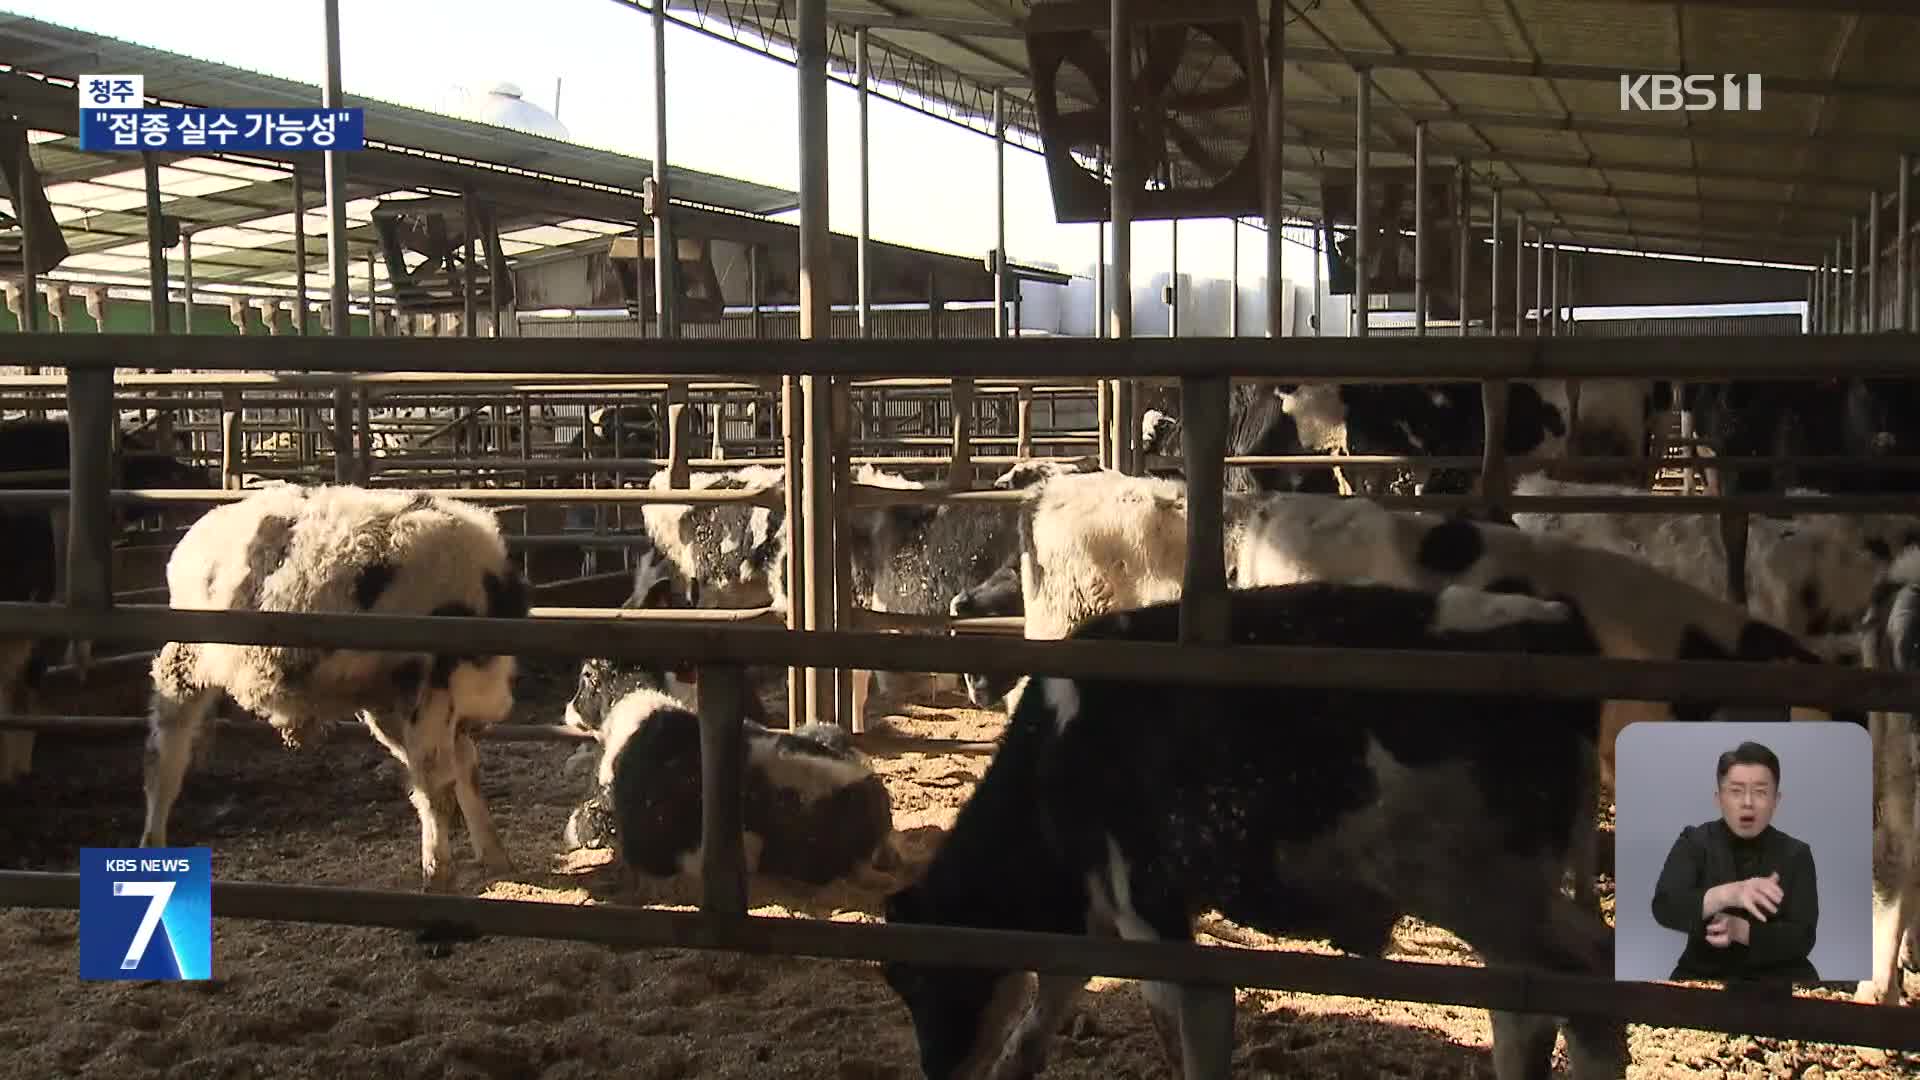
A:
[1430,420]
[1810,574]
[1890,635]
[813,809]
[1637,611]
[1861,417]
[1116,807]
[1089,543]
[344,549]
[907,559]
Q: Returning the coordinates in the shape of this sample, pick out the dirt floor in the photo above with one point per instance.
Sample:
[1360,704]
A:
[308,1001]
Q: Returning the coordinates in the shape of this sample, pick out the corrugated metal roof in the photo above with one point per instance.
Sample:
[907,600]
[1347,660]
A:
[1528,92]
[58,50]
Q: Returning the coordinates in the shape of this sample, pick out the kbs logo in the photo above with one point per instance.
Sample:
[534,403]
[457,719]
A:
[1692,93]
[146,913]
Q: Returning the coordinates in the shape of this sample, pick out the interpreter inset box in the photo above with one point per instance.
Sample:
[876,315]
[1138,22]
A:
[1743,853]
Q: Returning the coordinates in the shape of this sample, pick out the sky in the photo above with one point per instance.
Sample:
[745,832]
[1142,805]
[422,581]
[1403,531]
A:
[731,111]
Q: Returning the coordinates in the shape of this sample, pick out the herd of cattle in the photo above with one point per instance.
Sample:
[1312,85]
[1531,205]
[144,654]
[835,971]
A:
[1466,811]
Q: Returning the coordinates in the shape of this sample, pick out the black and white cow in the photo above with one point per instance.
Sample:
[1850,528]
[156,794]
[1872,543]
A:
[908,559]
[1426,420]
[343,549]
[1636,611]
[603,682]
[1891,642]
[814,810]
[1262,421]
[1810,418]
[1125,809]
[1810,574]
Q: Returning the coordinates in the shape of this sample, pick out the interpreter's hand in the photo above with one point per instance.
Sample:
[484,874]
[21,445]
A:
[1760,895]
[1739,928]
[1720,931]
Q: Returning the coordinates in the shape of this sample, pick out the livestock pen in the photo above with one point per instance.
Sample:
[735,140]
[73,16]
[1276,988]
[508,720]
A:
[553,1008]
[722,922]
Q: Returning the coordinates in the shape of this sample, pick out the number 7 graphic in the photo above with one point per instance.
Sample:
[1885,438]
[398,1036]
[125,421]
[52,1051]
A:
[157,894]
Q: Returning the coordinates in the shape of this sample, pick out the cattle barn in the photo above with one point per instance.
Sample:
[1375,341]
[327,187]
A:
[1212,485]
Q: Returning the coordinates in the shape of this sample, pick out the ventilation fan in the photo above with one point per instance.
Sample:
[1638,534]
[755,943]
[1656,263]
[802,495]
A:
[432,232]
[1199,92]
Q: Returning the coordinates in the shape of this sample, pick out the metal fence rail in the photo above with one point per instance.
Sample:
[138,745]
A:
[1504,988]
[425,360]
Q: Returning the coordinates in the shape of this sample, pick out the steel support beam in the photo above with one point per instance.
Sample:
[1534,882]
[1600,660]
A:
[336,183]
[1903,299]
[300,252]
[999,259]
[1272,190]
[1363,129]
[863,269]
[1854,321]
[1520,274]
[1493,287]
[1125,182]
[159,306]
[1420,227]
[1462,236]
[1873,264]
[666,253]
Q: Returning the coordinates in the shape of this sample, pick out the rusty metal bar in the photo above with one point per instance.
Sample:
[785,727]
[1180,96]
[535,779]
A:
[1732,683]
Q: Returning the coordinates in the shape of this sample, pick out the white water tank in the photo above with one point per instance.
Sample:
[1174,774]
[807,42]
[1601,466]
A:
[503,106]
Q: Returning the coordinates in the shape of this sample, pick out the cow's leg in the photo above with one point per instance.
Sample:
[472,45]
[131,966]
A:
[177,714]
[473,807]
[420,735]
[862,680]
[1542,929]
[1025,1052]
[1896,854]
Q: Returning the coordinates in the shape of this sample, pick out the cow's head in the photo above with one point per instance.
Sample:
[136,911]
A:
[603,682]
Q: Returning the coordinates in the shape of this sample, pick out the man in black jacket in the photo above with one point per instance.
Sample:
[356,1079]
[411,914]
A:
[1742,891]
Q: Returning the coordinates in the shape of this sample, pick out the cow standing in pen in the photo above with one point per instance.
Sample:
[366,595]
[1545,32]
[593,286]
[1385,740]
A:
[1126,809]
[343,550]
